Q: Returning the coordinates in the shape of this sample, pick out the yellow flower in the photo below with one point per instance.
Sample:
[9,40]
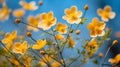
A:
[71,42]
[96,27]
[55,64]
[59,37]
[33,21]
[4,12]
[106,13]
[20,48]
[47,20]
[61,28]
[92,47]
[39,44]
[29,6]
[18,13]
[115,60]
[72,15]
[9,39]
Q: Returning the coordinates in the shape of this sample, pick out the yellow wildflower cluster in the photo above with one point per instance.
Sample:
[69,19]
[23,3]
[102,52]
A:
[92,47]
[51,50]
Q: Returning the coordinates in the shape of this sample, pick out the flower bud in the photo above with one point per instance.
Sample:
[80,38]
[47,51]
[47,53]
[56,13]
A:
[115,42]
[100,55]
[86,7]
[71,31]
[17,21]
[40,3]
[29,34]
[42,52]
[78,32]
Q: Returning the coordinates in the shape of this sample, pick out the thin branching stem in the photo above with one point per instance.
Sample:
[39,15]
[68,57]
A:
[105,55]
[59,48]
[74,61]
[37,28]
[66,38]
[12,54]
[47,62]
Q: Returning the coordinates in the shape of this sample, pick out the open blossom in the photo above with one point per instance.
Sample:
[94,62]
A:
[115,60]
[33,23]
[106,13]
[96,27]
[20,48]
[9,39]
[92,47]
[29,6]
[4,12]
[47,20]
[61,28]
[72,15]
[39,44]
[18,13]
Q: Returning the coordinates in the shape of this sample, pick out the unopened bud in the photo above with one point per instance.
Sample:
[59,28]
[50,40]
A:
[17,21]
[86,7]
[40,3]
[42,52]
[115,42]
[78,32]
[29,34]
[71,31]
[100,55]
